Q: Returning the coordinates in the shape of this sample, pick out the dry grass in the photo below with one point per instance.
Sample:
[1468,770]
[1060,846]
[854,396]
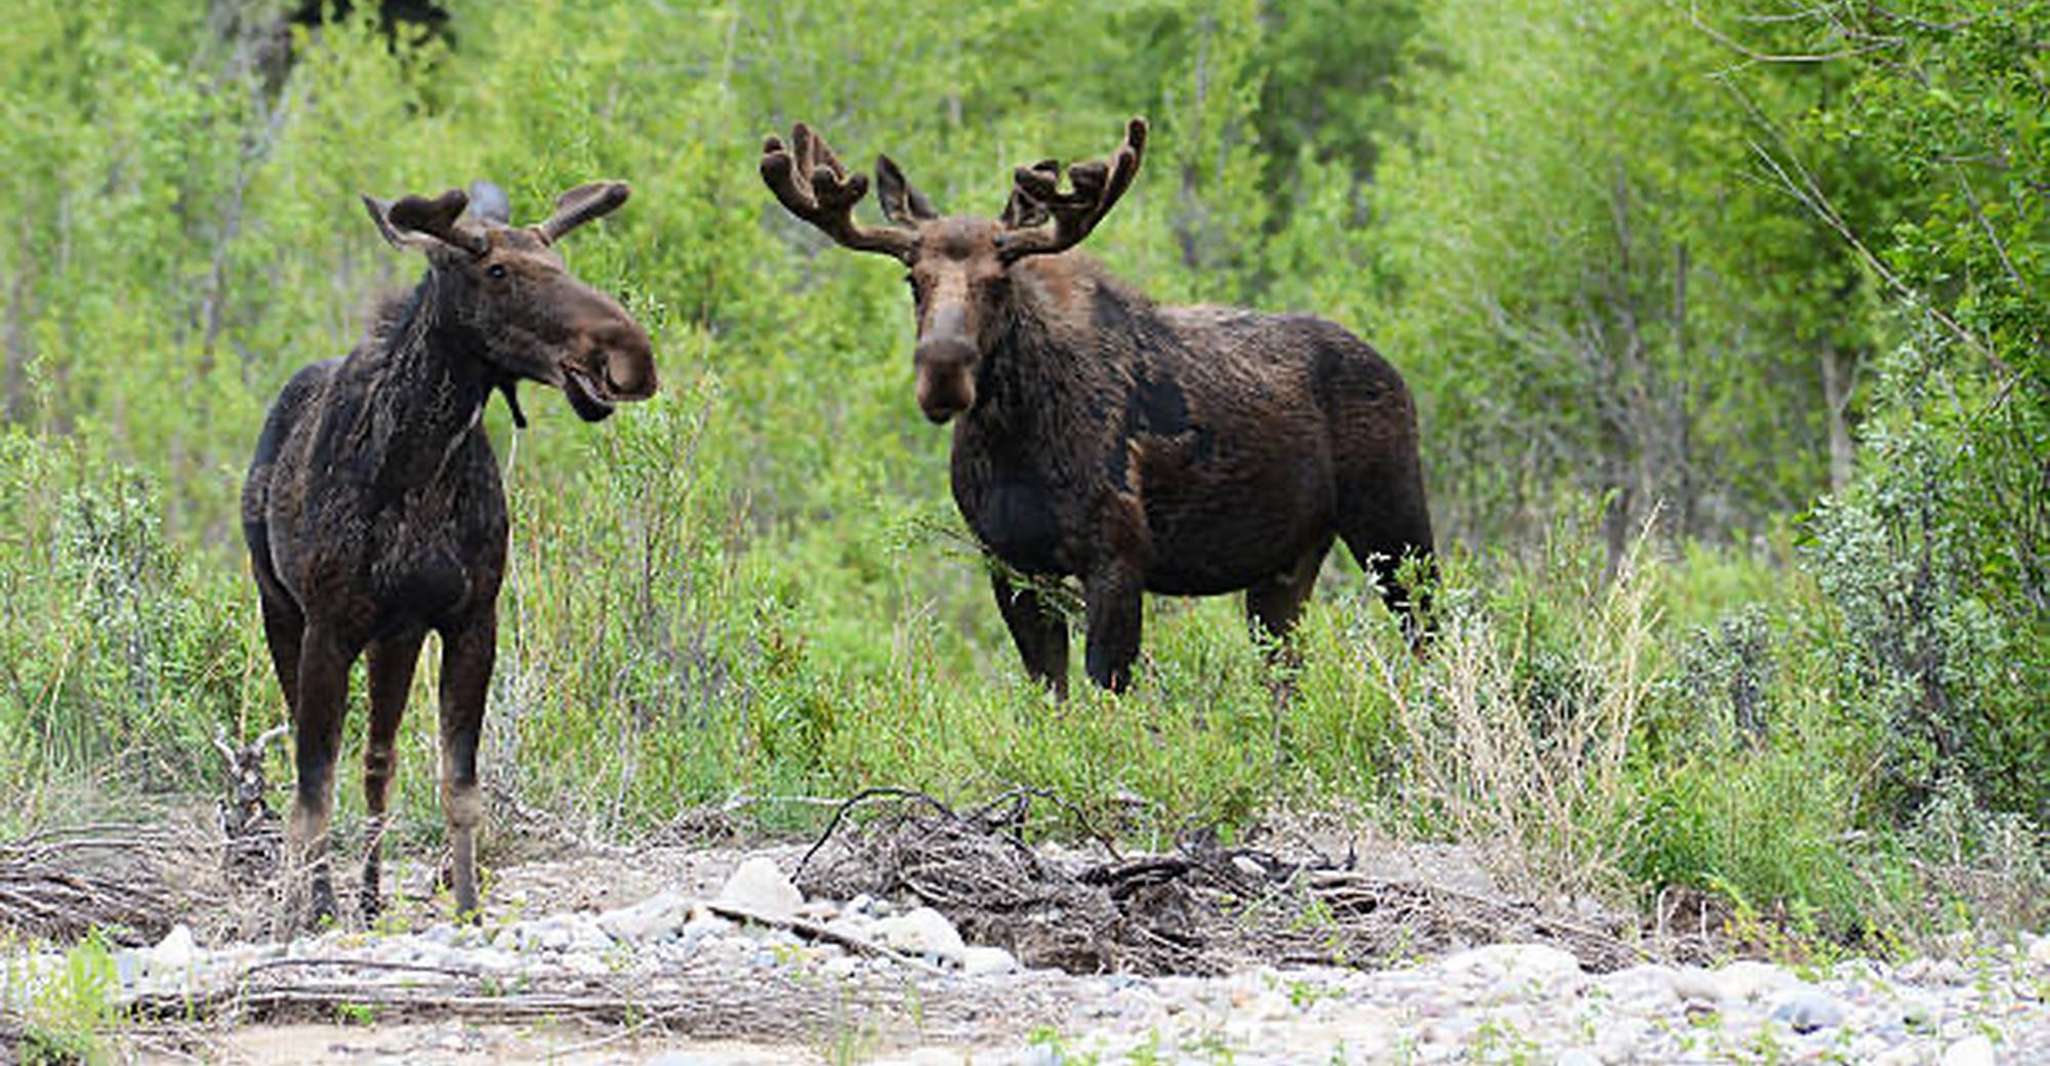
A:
[1536,773]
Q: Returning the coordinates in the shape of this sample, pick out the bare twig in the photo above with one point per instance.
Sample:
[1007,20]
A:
[815,931]
[1964,184]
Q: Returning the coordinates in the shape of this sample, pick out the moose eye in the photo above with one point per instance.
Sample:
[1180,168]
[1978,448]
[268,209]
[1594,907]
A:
[496,270]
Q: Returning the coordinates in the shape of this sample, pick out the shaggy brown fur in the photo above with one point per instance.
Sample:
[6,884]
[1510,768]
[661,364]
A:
[1180,450]
[374,510]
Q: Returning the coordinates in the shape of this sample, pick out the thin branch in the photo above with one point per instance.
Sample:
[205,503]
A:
[1875,44]
[1999,246]
[815,931]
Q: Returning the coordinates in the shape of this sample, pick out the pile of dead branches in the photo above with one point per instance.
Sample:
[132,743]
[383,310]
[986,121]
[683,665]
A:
[1202,909]
[61,884]
[132,881]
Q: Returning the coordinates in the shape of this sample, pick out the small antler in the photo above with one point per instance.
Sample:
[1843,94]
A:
[440,218]
[582,204]
[1035,194]
[812,184]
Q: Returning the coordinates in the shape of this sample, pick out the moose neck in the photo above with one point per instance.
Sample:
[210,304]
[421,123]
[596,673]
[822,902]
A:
[1062,338]
[429,391]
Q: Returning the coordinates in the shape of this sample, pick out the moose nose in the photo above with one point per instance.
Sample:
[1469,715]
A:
[628,359]
[946,379]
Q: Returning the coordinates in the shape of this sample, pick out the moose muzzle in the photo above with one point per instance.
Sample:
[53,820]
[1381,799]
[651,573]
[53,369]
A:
[616,364]
[946,377]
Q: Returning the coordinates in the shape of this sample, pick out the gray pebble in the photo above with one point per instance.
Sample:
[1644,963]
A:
[1807,1009]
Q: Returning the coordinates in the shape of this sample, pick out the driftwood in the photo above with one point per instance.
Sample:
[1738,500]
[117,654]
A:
[705,1001]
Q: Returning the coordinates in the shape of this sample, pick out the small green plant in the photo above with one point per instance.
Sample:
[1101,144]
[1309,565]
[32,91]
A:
[74,1008]
[1049,1037]
[360,1014]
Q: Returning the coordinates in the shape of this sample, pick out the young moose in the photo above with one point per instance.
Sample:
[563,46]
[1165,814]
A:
[374,510]
[1181,450]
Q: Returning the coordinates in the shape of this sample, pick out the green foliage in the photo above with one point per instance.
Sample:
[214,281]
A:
[73,1008]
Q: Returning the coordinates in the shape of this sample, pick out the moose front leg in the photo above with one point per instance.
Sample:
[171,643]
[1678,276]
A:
[467,657]
[1115,588]
[1116,595]
[1039,631]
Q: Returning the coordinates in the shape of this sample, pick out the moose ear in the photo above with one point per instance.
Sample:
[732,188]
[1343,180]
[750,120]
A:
[902,202]
[489,203]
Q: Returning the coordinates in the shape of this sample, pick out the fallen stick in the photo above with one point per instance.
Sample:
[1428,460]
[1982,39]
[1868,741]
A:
[807,928]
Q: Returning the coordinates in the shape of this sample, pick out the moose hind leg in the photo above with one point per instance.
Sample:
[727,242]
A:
[467,657]
[323,686]
[284,630]
[1039,631]
[391,678]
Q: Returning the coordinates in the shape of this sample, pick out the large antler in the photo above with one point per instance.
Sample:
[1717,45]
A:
[813,185]
[582,204]
[1036,193]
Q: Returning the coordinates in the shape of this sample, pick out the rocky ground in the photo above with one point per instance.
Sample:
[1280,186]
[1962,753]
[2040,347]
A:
[715,957]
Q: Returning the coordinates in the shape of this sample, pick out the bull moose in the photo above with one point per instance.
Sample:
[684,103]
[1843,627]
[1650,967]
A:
[1141,448]
[374,510]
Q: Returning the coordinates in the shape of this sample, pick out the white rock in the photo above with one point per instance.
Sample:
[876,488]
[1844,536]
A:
[1646,986]
[1619,1042]
[923,931]
[840,967]
[175,952]
[653,918]
[1541,963]
[555,935]
[1577,1057]
[2039,952]
[1806,1008]
[1974,1050]
[758,886]
[979,961]
[1040,1055]
[705,929]
[1748,981]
